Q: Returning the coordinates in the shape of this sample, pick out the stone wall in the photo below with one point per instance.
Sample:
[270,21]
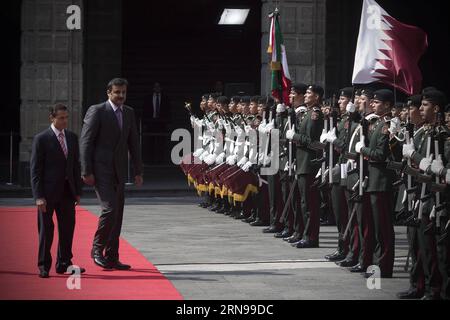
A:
[51,70]
[303,27]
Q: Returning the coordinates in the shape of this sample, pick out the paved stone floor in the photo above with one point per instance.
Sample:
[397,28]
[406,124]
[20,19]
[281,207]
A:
[211,256]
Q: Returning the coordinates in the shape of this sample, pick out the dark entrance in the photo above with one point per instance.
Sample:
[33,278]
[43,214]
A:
[181,46]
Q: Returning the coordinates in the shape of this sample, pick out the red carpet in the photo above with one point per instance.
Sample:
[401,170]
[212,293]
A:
[19,273]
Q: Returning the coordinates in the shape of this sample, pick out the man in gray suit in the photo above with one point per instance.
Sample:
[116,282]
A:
[109,133]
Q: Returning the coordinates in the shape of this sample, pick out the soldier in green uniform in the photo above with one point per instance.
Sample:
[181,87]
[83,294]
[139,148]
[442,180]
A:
[380,183]
[338,137]
[306,133]
[419,153]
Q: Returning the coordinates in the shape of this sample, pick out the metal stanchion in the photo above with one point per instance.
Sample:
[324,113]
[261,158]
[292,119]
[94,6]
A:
[129,183]
[10,159]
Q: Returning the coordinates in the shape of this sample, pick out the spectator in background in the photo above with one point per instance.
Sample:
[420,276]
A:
[156,118]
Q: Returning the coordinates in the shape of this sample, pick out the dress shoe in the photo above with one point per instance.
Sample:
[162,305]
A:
[102,262]
[347,263]
[43,274]
[430,296]
[307,244]
[410,294]
[336,256]
[294,238]
[249,219]
[358,268]
[63,269]
[259,223]
[241,216]
[221,210]
[120,266]
[271,229]
[283,234]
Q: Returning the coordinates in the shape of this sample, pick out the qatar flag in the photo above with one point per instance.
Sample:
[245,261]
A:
[388,50]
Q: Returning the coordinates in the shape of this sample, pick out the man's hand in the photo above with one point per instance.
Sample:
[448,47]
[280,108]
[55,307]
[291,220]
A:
[77,200]
[41,204]
[138,180]
[89,179]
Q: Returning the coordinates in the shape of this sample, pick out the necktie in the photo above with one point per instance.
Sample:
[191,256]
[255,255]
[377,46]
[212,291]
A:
[119,117]
[62,143]
[157,106]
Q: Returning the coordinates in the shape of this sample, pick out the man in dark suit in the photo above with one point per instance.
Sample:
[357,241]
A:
[155,119]
[56,185]
[109,133]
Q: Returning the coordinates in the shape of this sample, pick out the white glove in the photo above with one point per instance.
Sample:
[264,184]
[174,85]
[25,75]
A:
[281,108]
[425,163]
[262,127]
[220,158]
[247,166]
[198,152]
[286,166]
[220,123]
[290,134]
[238,130]
[269,126]
[231,160]
[371,116]
[192,121]
[350,108]
[331,136]
[247,128]
[203,155]
[199,123]
[210,159]
[242,161]
[408,150]
[323,136]
[227,127]
[359,145]
[301,109]
[394,125]
[437,166]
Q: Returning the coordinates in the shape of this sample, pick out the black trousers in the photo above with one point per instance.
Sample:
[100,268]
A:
[65,214]
[112,200]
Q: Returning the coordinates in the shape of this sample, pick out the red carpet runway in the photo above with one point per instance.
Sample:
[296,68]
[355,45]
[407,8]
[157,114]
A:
[19,273]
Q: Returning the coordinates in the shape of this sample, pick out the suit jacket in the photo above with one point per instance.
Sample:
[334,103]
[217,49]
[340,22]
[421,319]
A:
[50,168]
[148,110]
[104,146]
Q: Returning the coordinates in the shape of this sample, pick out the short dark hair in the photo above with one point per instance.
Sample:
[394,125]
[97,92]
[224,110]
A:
[117,82]
[53,110]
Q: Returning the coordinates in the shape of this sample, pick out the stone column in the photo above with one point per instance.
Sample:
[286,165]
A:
[303,27]
[51,70]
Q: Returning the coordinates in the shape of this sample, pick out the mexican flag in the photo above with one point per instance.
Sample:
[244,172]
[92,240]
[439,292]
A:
[388,51]
[281,79]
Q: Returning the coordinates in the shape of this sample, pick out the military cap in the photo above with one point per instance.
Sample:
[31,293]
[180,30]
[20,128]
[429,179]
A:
[214,95]
[235,99]
[366,92]
[205,96]
[426,89]
[436,97]
[384,95]
[299,88]
[223,100]
[346,92]
[399,105]
[415,100]
[316,89]
[447,108]
[245,99]
[358,92]
[255,99]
